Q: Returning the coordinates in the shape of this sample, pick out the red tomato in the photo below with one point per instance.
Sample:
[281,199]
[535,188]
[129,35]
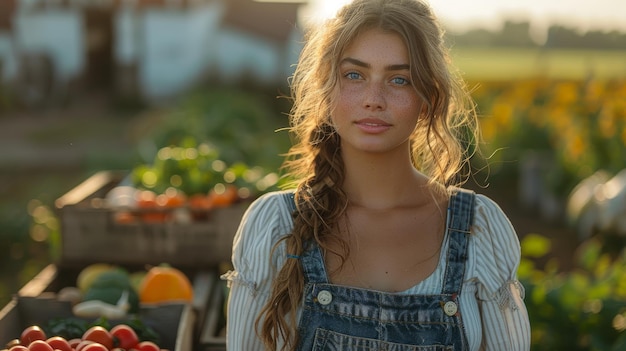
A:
[94,346]
[124,336]
[74,342]
[39,345]
[147,203]
[12,343]
[81,345]
[147,346]
[100,335]
[18,348]
[59,343]
[31,334]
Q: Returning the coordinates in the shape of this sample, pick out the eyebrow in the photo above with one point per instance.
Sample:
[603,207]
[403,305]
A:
[395,67]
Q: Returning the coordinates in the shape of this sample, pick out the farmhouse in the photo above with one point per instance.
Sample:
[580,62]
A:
[148,49]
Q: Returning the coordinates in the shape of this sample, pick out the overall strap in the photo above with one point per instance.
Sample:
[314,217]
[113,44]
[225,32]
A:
[311,259]
[290,199]
[460,220]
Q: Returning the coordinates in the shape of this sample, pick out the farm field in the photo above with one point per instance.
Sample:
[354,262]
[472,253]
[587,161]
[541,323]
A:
[481,64]
[568,107]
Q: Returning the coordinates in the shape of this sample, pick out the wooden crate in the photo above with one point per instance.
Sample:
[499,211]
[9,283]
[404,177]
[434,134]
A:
[36,304]
[90,232]
[212,337]
[172,322]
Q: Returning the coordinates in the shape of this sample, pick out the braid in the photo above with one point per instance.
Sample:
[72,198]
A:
[320,203]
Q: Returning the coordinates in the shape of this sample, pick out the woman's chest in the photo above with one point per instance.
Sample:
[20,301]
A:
[386,251]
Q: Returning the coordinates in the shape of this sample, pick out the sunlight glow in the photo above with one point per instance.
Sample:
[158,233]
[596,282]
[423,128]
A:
[460,15]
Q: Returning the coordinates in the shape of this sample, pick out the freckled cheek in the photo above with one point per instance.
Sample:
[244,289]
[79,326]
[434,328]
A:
[349,93]
[408,101]
[346,99]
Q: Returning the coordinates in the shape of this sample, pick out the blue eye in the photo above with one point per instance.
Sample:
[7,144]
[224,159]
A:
[352,75]
[400,81]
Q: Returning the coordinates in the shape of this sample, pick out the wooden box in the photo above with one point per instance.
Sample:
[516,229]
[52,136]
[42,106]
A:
[91,233]
[213,337]
[177,324]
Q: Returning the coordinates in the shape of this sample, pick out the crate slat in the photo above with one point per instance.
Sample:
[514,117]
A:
[90,232]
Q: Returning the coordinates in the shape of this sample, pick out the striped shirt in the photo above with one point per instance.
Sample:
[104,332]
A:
[491,302]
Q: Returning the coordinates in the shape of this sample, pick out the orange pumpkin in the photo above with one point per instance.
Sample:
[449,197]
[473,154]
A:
[165,284]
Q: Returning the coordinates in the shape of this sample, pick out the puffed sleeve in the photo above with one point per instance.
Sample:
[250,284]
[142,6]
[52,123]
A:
[266,220]
[500,295]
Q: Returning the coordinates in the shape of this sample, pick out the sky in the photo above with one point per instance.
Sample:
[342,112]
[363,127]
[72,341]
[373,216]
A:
[459,15]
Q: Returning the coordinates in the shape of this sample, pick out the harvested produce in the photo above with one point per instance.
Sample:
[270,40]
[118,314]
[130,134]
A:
[95,338]
[32,333]
[183,183]
[111,292]
[98,308]
[88,275]
[125,335]
[59,343]
[38,345]
[100,335]
[165,284]
[110,286]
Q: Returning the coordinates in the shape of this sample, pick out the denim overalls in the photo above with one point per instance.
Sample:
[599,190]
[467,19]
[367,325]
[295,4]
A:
[339,318]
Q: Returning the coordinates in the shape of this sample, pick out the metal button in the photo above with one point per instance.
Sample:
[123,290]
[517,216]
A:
[450,308]
[324,297]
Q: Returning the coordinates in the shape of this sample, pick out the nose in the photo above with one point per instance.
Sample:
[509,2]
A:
[374,96]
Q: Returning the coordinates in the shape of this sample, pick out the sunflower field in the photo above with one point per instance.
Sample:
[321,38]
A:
[578,125]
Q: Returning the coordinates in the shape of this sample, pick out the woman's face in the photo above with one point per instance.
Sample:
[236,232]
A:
[376,107]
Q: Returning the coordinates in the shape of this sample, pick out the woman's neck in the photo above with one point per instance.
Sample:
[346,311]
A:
[383,180]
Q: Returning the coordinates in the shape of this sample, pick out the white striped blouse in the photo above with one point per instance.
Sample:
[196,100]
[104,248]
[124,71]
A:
[494,314]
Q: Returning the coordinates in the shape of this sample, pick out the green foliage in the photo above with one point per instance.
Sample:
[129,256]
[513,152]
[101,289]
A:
[583,309]
[71,328]
[15,246]
[241,125]
[197,169]
[215,136]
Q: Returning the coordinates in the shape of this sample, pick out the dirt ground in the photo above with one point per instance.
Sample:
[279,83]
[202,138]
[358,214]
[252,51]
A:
[48,151]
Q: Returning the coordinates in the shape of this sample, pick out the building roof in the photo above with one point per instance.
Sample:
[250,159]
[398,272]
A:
[7,10]
[274,20]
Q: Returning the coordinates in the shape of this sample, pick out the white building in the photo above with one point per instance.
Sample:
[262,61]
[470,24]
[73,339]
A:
[151,49]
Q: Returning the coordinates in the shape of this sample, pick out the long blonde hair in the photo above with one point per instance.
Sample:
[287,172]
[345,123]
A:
[440,143]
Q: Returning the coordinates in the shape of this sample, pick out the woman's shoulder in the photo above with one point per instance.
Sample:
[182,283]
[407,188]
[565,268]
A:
[488,213]
[492,231]
[265,222]
[496,246]
[495,252]
[272,207]
[267,218]
[280,198]
[485,208]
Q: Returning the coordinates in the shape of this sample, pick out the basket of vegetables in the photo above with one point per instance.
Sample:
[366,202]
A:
[183,209]
[105,307]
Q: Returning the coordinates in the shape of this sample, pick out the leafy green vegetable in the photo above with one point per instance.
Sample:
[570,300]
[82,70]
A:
[71,328]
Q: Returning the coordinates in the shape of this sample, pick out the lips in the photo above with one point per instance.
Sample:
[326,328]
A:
[372,125]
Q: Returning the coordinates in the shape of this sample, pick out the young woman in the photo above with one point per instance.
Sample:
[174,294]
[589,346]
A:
[376,247]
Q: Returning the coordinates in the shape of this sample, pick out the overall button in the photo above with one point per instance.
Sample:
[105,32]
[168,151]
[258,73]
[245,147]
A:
[450,308]
[324,297]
